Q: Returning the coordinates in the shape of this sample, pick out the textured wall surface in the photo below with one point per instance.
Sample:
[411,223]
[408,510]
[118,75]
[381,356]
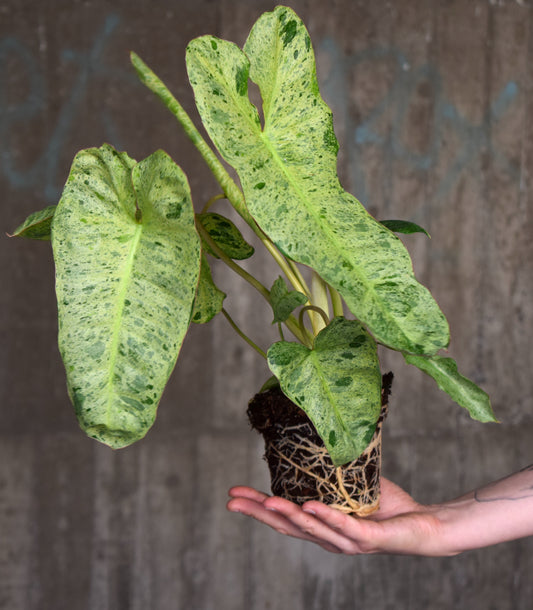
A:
[433,107]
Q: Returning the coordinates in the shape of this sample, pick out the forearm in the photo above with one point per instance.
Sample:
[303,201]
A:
[498,512]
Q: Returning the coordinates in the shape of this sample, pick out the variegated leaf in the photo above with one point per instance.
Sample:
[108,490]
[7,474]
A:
[209,299]
[127,261]
[288,173]
[337,383]
[37,225]
[461,389]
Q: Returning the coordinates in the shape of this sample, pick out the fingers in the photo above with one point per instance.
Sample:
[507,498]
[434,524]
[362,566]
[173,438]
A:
[259,512]
[331,529]
[359,535]
[247,492]
[252,503]
[324,524]
[402,528]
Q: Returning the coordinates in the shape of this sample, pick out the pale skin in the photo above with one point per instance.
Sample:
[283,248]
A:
[498,512]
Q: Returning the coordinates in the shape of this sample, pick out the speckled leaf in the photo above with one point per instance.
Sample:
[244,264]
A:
[404,226]
[337,383]
[209,299]
[226,236]
[283,301]
[288,173]
[463,391]
[125,286]
[37,225]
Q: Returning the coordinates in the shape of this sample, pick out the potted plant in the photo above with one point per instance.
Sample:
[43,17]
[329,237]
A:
[133,271]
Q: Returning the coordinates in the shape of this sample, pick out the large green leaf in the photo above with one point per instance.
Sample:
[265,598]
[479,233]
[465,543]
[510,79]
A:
[127,262]
[37,225]
[288,173]
[465,392]
[337,383]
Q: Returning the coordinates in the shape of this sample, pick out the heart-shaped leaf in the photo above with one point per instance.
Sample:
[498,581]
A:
[127,261]
[289,178]
[283,301]
[337,383]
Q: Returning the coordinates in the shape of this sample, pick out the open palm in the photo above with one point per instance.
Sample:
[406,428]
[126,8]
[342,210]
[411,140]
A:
[401,525]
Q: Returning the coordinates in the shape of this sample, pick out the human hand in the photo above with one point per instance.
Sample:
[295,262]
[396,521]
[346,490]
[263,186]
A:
[400,525]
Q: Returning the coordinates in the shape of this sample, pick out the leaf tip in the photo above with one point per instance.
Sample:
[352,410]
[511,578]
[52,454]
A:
[113,438]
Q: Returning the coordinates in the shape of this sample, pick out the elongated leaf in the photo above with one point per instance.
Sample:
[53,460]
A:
[226,236]
[337,383]
[126,280]
[404,226]
[209,299]
[37,225]
[289,178]
[465,392]
[284,302]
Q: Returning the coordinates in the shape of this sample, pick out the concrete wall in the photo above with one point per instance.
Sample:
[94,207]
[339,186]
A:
[434,111]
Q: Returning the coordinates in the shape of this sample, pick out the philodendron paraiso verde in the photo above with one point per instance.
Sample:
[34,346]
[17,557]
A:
[133,258]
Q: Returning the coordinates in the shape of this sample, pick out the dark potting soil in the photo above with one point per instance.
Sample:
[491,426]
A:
[299,465]
[270,412]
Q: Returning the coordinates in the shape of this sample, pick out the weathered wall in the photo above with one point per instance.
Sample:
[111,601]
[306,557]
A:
[433,107]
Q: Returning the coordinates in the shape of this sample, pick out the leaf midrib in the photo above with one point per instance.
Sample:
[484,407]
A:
[119,316]
[326,228]
[293,182]
[323,382]
[262,135]
[461,392]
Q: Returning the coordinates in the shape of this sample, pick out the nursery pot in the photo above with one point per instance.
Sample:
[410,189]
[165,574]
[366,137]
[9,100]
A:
[300,467]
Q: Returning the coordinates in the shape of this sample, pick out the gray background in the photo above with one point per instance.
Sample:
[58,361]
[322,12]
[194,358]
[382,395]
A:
[433,108]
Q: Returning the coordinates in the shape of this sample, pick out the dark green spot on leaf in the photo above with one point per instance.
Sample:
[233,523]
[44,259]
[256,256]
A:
[289,32]
[241,80]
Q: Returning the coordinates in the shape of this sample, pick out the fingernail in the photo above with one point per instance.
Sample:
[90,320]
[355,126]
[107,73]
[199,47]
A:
[309,511]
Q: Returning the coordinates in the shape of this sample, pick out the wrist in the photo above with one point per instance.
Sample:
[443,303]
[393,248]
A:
[452,538]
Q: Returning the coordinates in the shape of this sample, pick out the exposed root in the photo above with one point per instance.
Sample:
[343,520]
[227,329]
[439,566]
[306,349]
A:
[299,463]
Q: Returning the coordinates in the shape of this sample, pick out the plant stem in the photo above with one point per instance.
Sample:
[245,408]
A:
[211,201]
[336,302]
[315,309]
[242,335]
[300,277]
[231,190]
[263,290]
[292,324]
[295,279]
[320,300]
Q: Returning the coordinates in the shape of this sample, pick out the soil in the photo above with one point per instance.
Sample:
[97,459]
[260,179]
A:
[299,464]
